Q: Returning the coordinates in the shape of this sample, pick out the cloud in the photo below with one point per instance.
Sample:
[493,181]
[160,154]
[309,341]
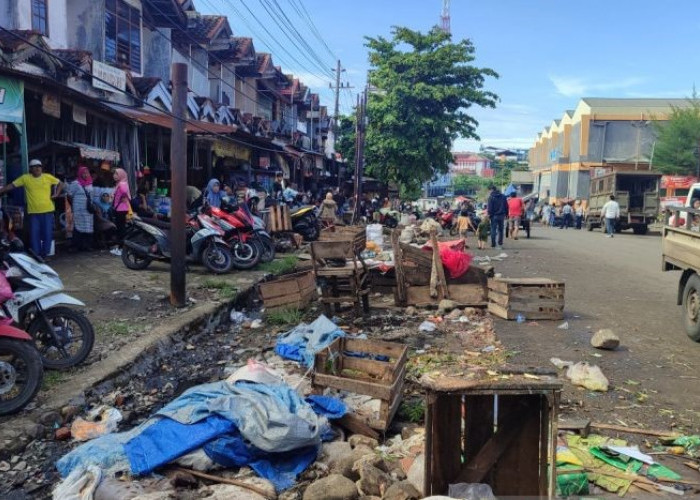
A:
[572,86]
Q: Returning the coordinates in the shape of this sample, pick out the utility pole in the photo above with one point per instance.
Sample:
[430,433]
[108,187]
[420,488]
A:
[178,171]
[336,112]
[359,151]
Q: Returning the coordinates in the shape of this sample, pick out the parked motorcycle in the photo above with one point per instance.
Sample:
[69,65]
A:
[305,222]
[144,243]
[63,336]
[21,370]
[388,217]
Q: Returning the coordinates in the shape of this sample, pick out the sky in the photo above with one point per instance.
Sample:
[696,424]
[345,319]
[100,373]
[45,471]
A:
[549,54]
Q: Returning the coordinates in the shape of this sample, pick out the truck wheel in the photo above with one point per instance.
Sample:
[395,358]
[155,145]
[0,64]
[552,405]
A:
[589,224]
[691,307]
[639,229]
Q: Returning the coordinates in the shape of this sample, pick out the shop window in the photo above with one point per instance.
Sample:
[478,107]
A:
[123,35]
[40,17]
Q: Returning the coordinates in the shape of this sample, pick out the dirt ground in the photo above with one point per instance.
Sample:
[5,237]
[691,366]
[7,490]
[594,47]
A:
[618,284]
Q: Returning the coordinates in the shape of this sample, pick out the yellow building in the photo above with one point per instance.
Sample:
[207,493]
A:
[600,135]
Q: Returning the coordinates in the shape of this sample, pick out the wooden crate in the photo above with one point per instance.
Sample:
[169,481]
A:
[534,298]
[383,380]
[293,291]
[279,219]
[463,445]
[357,234]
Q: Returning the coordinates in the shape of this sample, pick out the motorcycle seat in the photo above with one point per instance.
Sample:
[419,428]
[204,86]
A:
[158,223]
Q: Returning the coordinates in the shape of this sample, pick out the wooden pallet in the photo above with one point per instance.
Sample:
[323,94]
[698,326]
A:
[293,291]
[279,219]
[534,298]
[363,375]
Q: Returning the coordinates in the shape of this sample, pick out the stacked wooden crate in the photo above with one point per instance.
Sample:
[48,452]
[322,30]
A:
[293,291]
[533,298]
[279,219]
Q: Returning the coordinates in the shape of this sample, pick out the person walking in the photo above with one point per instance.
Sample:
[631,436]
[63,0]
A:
[515,213]
[40,208]
[121,204]
[546,214]
[483,230]
[610,212]
[497,208]
[579,215]
[81,196]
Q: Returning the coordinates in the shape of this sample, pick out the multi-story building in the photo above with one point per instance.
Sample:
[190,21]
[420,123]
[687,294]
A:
[599,135]
[464,163]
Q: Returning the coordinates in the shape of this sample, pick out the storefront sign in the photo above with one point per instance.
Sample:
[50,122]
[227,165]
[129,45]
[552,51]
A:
[51,105]
[11,100]
[677,181]
[79,115]
[108,78]
[228,149]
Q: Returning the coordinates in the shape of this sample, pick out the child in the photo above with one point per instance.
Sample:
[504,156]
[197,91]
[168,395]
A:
[483,231]
[464,224]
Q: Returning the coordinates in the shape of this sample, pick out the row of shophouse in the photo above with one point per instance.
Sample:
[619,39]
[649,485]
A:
[600,135]
[88,81]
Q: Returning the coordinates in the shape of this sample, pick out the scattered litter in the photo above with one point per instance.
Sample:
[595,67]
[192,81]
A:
[633,452]
[596,355]
[257,323]
[471,491]
[79,485]
[135,297]
[464,319]
[237,317]
[488,348]
[427,326]
[303,341]
[520,318]
[589,376]
[564,326]
[100,421]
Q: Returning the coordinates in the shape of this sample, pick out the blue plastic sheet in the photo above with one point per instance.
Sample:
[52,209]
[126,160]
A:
[168,439]
[327,406]
[304,341]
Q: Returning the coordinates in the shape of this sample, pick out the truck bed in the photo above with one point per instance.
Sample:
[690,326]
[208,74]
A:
[680,244]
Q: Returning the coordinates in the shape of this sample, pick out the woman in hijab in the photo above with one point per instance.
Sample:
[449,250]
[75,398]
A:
[120,201]
[213,193]
[329,209]
[80,193]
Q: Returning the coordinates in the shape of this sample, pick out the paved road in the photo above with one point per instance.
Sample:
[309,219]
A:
[611,283]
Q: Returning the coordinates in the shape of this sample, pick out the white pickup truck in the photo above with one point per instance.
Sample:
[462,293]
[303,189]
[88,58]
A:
[680,246]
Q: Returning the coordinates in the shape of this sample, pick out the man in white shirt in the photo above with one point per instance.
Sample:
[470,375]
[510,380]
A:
[610,212]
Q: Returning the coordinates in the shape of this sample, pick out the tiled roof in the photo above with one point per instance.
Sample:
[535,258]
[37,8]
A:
[11,43]
[144,85]
[263,62]
[201,28]
[81,58]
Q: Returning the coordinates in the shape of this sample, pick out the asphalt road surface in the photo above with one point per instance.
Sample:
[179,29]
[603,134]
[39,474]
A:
[612,283]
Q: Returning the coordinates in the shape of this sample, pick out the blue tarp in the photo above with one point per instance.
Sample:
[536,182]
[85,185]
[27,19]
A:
[304,341]
[510,189]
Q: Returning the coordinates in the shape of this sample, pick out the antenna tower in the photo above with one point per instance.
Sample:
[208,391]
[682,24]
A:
[445,16]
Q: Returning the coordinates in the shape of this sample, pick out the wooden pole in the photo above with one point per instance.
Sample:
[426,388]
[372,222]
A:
[178,169]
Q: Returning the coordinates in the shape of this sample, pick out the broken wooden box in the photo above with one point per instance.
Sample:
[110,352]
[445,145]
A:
[369,367]
[292,291]
[533,298]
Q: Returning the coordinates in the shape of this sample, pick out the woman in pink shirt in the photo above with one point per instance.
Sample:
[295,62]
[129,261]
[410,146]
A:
[121,201]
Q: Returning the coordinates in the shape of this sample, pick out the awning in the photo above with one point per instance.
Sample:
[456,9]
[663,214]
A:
[86,151]
[166,121]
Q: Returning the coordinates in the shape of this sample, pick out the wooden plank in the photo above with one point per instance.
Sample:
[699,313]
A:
[443,292]
[391,349]
[379,369]
[528,281]
[375,390]
[503,285]
[467,294]
[355,425]
[445,453]
[274,289]
[399,269]
[478,424]
[505,313]
[420,296]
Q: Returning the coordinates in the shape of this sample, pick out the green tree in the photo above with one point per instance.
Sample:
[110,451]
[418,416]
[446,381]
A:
[469,184]
[678,139]
[345,142]
[422,87]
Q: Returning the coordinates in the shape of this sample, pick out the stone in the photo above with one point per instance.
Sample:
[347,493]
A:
[20,466]
[34,431]
[14,459]
[62,434]
[446,305]
[410,311]
[333,487]
[50,419]
[403,490]
[181,479]
[454,314]
[373,481]
[4,466]
[344,467]
[416,471]
[360,440]
[334,451]
[605,339]
[69,412]
[470,312]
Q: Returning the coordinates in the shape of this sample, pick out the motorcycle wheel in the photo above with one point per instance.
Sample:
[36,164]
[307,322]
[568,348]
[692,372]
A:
[245,255]
[217,258]
[21,374]
[308,229]
[453,230]
[133,260]
[70,342]
[268,248]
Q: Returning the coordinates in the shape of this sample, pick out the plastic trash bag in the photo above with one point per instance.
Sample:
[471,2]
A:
[79,485]
[100,421]
[427,326]
[471,491]
[589,376]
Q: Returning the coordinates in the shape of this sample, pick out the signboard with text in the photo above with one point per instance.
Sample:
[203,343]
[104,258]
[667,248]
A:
[107,77]
[11,100]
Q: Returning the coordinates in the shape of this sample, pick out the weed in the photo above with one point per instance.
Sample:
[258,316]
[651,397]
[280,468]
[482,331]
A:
[114,328]
[412,411]
[226,290]
[284,317]
[280,266]
[52,379]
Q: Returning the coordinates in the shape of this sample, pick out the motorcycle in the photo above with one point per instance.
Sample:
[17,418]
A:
[21,370]
[388,217]
[305,222]
[144,243]
[63,336]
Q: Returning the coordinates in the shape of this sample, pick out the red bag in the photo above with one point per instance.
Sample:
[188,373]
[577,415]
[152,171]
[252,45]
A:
[457,263]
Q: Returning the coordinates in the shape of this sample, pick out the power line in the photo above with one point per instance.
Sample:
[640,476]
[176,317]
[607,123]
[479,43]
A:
[194,124]
[311,24]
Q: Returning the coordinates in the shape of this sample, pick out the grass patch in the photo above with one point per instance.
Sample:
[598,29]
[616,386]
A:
[115,328]
[52,378]
[226,290]
[284,317]
[412,411]
[280,266]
